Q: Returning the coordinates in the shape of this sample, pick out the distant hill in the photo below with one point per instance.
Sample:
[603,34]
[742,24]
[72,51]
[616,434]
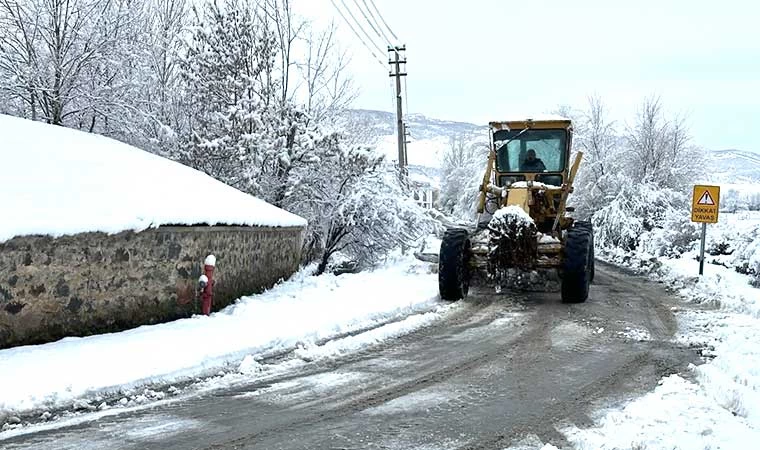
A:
[428,137]
[431,137]
[736,166]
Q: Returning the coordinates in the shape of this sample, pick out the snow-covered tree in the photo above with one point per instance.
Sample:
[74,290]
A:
[634,186]
[355,203]
[462,169]
[163,113]
[659,150]
[597,179]
[297,144]
[286,28]
[327,85]
[226,73]
[754,201]
[62,61]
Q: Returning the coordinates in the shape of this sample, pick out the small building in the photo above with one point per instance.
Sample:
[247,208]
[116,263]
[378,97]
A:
[426,190]
[98,236]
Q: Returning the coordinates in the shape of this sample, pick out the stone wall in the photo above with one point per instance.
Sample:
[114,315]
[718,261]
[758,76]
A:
[95,282]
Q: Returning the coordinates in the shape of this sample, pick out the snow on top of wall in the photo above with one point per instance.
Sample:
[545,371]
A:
[58,181]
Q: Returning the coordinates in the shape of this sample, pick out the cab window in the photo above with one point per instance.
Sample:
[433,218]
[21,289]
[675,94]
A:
[531,151]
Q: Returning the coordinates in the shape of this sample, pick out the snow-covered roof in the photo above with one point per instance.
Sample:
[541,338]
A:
[57,181]
[424,180]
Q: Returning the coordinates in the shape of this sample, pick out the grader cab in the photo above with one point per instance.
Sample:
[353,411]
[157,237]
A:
[523,223]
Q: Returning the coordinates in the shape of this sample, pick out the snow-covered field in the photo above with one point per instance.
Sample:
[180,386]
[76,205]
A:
[420,152]
[60,181]
[307,317]
[716,404]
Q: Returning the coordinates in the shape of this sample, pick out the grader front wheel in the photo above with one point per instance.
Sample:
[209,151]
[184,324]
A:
[586,225]
[577,265]
[453,265]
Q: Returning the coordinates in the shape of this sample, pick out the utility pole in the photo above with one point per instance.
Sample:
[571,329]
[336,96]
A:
[396,72]
[406,141]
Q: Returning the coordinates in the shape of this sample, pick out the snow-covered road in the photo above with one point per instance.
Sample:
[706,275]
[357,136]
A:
[485,374]
[711,405]
[113,370]
[376,359]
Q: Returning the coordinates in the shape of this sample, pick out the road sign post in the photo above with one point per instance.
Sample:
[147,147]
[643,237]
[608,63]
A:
[702,249]
[705,203]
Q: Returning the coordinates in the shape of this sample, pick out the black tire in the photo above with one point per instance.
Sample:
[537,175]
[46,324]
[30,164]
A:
[587,226]
[453,265]
[576,265]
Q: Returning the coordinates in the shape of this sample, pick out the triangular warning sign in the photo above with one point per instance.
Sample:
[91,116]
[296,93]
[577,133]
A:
[706,199]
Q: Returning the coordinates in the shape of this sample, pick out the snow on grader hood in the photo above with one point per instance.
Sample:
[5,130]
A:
[523,223]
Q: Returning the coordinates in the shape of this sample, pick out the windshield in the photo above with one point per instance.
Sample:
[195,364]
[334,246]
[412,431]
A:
[530,151]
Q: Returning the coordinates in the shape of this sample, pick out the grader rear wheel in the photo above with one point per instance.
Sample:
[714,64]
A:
[453,265]
[577,265]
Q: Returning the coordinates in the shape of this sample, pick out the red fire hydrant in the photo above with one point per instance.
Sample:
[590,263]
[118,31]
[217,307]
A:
[206,284]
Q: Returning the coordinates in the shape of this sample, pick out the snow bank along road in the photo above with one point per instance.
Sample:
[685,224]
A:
[491,372]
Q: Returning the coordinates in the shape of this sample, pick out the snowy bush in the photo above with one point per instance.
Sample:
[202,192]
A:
[747,257]
[677,235]
[723,240]
[356,205]
[628,220]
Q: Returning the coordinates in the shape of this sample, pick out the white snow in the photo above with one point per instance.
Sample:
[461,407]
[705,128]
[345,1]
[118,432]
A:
[334,348]
[677,415]
[720,408]
[414,402]
[719,286]
[547,239]
[424,180]
[59,181]
[715,404]
[535,184]
[513,213]
[419,152]
[304,314]
[635,334]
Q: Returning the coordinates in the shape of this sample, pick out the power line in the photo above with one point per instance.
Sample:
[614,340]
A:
[357,34]
[377,22]
[371,21]
[371,2]
[377,47]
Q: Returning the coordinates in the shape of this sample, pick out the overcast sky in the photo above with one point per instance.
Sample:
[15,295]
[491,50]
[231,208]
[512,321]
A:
[479,60]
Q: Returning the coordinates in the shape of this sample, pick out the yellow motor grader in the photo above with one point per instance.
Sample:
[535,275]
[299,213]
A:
[523,223]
